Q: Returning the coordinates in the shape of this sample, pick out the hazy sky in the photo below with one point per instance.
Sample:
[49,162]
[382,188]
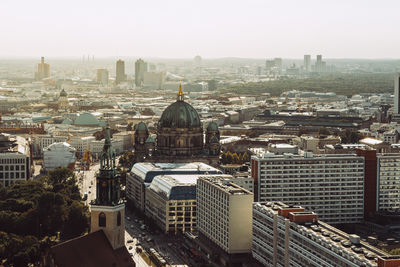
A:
[210,28]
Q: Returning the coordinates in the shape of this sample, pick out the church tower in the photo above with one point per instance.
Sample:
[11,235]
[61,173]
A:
[107,210]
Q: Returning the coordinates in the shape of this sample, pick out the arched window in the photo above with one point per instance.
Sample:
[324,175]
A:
[102,219]
[119,218]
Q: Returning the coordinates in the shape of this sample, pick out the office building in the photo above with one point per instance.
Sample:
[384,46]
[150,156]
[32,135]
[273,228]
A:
[286,235]
[102,76]
[224,213]
[120,72]
[278,64]
[140,70]
[43,70]
[307,63]
[171,202]
[396,112]
[388,182]
[320,66]
[15,160]
[331,185]
[142,175]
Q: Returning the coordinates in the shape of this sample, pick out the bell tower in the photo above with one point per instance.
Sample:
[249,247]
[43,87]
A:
[107,210]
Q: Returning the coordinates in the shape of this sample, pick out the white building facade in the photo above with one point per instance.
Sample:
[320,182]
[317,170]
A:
[331,185]
[224,213]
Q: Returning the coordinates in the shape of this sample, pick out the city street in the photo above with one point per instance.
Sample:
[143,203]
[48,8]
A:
[168,246]
[87,182]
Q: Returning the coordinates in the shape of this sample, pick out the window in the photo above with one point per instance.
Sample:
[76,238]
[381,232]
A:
[119,218]
[102,219]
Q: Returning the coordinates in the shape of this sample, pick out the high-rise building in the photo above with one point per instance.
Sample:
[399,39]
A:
[307,63]
[102,76]
[388,182]
[320,66]
[140,70]
[120,72]
[286,235]
[43,70]
[107,210]
[331,185]
[278,64]
[224,213]
[396,113]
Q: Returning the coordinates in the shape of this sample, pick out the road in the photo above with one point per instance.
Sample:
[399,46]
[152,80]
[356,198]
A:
[135,256]
[87,182]
[168,246]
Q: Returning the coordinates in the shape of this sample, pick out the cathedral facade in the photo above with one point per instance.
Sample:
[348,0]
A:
[180,137]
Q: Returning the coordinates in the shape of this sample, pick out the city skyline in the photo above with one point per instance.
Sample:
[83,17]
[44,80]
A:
[260,29]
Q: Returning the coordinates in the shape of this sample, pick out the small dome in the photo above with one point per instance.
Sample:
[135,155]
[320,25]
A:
[88,119]
[180,115]
[212,126]
[141,126]
[63,93]
[67,121]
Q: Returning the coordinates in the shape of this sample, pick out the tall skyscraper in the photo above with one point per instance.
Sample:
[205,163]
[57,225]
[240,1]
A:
[278,64]
[102,76]
[396,112]
[397,94]
[107,210]
[320,65]
[307,63]
[120,72]
[43,70]
[140,69]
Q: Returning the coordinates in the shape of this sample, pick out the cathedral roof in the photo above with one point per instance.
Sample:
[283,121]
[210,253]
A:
[141,126]
[212,126]
[180,114]
[63,93]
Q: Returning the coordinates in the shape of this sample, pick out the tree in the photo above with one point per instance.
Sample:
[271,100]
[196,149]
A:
[323,132]
[129,127]
[77,222]
[33,210]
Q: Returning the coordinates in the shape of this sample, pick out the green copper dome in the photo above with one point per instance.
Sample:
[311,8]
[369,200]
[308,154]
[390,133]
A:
[63,93]
[180,115]
[212,126]
[141,126]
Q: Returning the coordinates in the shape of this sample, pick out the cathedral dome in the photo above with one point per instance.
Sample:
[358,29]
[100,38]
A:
[63,93]
[180,115]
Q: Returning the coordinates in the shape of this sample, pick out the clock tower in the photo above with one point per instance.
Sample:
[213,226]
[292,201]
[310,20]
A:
[107,210]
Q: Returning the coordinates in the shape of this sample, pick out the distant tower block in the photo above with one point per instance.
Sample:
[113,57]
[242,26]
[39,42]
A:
[43,70]
[120,72]
[396,112]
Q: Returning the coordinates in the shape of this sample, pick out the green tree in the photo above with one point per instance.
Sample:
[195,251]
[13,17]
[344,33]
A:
[77,222]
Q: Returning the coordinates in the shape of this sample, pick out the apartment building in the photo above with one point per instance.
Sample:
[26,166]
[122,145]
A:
[286,235]
[331,185]
[171,202]
[224,213]
[15,159]
[388,182]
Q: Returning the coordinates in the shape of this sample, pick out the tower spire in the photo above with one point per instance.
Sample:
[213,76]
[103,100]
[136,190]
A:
[180,93]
